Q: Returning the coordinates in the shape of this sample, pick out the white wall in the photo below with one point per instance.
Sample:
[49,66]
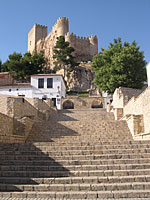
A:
[16,91]
[148,74]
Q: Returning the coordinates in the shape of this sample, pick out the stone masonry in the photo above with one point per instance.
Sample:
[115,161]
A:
[41,42]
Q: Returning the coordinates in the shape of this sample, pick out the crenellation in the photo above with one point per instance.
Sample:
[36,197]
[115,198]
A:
[39,41]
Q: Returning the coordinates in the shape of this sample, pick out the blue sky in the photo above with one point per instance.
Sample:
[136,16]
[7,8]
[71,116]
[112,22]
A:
[108,19]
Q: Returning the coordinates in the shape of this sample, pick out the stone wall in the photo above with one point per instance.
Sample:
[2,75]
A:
[3,104]
[136,111]
[17,116]
[122,95]
[10,129]
[6,79]
[140,106]
[19,107]
[82,102]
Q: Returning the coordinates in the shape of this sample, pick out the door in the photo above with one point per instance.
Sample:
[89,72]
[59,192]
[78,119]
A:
[54,101]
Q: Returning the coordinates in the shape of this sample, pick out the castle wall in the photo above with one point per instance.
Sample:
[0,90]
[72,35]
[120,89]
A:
[85,48]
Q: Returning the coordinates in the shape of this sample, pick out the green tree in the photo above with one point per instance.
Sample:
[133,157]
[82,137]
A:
[13,64]
[63,56]
[22,67]
[122,64]
[32,64]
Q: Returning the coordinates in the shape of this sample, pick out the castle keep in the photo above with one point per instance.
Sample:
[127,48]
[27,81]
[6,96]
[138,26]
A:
[41,42]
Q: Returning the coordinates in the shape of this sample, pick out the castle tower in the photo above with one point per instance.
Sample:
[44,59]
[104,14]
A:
[62,26]
[37,33]
[93,45]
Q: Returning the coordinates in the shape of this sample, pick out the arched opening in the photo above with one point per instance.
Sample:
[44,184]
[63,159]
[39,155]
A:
[68,105]
[97,104]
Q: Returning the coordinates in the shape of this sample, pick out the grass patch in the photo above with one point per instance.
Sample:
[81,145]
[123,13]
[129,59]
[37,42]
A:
[83,95]
[79,94]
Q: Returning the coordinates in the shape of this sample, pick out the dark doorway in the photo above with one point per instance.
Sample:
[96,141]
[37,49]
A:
[96,104]
[68,105]
[54,101]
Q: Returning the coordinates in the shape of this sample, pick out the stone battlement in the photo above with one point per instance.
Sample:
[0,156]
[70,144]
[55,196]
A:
[39,25]
[74,36]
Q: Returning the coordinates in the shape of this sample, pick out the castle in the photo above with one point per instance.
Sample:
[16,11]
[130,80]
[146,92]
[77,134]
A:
[41,42]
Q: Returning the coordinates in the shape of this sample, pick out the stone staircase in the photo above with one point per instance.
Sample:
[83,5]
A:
[81,154]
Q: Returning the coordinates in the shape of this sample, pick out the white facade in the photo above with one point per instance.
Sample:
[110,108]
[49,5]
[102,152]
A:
[42,86]
[148,74]
[107,98]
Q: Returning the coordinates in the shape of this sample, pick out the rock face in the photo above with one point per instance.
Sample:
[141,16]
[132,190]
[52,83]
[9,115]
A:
[39,41]
[81,79]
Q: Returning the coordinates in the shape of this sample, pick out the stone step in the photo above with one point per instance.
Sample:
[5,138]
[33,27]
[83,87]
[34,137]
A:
[77,162]
[4,146]
[73,167]
[64,173]
[102,128]
[75,139]
[79,194]
[76,152]
[75,180]
[71,146]
[83,116]
[76,187]
[75,157]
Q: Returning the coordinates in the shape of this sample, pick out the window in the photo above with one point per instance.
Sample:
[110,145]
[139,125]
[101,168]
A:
[50,83]
[41,83]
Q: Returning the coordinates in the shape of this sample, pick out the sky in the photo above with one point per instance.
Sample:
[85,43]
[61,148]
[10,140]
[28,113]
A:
[108,19]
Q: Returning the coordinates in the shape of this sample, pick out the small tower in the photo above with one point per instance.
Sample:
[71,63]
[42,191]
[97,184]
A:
[62,26]
[93,45]
[37,33]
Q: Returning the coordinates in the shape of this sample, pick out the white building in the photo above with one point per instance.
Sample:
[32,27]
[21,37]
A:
[42,86]
[148,74]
